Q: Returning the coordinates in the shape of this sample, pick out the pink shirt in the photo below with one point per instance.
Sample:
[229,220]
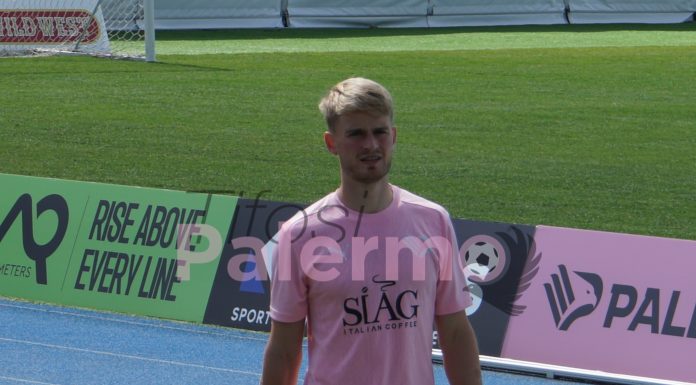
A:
[369,286]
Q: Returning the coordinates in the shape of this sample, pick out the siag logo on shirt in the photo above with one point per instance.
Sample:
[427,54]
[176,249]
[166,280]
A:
[365,315]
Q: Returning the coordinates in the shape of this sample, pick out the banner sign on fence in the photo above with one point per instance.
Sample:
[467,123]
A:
[612,302]
[110,247]
[240,296]
[500,259]
[30,24]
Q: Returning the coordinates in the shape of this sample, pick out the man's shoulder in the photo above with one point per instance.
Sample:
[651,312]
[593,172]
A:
[411,201]
[308,215]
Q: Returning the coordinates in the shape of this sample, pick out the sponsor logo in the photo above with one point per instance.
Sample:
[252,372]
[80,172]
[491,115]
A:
[26,26]
[577,295]
[24,209]
[572,300]
[488,260]
[394,310]
[11,270]
[250,316]
[253,285]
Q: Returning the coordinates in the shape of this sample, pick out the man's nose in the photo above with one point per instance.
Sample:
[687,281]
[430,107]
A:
[370,142]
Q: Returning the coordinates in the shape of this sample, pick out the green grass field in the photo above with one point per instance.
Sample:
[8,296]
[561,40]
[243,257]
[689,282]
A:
[585,126]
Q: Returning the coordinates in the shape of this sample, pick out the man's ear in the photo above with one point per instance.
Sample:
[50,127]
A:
[329,141]
[394,135]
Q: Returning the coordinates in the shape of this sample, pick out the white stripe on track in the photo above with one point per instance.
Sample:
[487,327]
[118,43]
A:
[24,381]
[128,356]
[102,318]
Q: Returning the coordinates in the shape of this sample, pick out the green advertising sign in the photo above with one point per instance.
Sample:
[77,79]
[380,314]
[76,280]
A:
[127,249]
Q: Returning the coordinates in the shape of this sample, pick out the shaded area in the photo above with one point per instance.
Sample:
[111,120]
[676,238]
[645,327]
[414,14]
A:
[334,33]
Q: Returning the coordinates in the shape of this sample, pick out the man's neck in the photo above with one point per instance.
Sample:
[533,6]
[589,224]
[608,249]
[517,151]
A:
[367,198]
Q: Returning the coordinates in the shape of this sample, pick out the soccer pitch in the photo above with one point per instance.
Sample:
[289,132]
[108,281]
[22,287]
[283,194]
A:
[578,126]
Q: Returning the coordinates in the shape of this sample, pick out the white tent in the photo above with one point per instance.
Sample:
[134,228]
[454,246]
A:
[630,11]
[208,14]
[357,13]
[201,14]
[447,13]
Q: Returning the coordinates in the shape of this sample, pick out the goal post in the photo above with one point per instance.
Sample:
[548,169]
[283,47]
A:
[149,14]
[112,28]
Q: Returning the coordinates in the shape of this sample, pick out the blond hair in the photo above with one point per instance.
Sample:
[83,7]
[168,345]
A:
[356,95]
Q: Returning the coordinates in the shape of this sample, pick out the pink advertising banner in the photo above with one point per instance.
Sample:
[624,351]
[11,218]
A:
[617,303]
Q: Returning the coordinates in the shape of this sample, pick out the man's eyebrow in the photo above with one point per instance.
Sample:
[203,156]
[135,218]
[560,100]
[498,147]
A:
[360,130]
[355,130]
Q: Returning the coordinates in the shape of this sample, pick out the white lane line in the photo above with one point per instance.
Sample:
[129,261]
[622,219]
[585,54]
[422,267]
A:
[25,381]
[101,318]
[128,356]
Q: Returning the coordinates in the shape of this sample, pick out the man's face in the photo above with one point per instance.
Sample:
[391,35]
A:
[364,144]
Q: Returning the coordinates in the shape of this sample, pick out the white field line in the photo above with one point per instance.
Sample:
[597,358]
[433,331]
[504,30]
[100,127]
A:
[131,357]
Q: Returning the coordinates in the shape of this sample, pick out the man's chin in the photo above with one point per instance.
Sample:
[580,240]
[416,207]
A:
[369,175]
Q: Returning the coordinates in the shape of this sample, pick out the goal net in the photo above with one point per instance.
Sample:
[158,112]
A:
[118,28]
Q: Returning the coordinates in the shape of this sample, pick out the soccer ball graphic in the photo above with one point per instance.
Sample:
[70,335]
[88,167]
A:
[476,294]
[481,259]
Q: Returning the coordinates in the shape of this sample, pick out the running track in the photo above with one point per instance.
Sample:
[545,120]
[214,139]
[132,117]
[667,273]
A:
[45,344]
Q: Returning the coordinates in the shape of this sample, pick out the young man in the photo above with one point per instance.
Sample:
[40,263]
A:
[371,268]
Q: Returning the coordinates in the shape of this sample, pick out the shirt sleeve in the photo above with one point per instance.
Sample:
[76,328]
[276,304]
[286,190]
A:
[452,293]
[288,288]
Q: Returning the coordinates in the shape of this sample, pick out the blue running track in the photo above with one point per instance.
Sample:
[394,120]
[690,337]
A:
[45,344]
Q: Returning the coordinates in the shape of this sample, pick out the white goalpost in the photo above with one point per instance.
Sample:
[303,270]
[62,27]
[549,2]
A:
[110,28]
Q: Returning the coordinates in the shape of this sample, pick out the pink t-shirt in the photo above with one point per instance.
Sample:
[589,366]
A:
[369,286]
